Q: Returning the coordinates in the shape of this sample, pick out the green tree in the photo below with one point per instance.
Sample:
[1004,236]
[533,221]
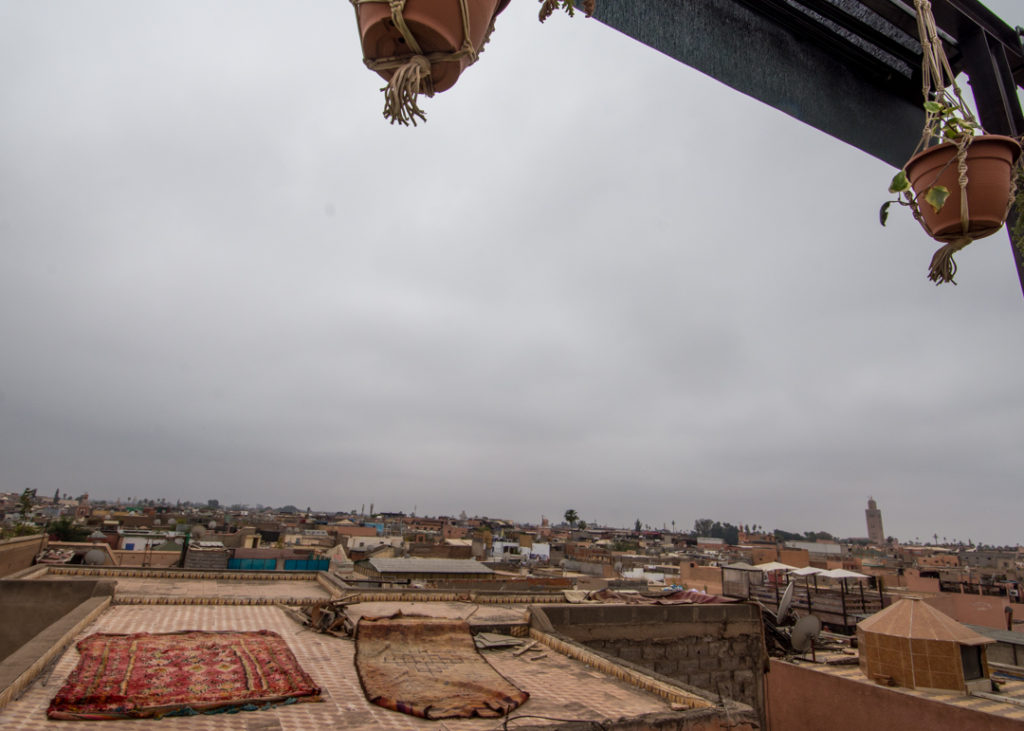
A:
[785,535]
[583,525]
[571,516]
[702,526]
[64,529]
[637,526]
[25,503]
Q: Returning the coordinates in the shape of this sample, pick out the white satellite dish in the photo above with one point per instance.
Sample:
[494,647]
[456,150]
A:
[785,603]
[804,632]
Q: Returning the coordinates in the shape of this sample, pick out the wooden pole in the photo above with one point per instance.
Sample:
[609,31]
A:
[842,596]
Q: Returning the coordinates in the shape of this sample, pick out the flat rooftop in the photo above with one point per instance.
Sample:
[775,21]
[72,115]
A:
[1011,691]
[566,683]
[559,686]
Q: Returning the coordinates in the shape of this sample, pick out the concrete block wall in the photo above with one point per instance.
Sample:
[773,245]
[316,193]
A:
[721,666]
[718,648]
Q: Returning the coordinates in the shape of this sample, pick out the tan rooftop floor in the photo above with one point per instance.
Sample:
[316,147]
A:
[1011,689]
[559,687]
[155,588]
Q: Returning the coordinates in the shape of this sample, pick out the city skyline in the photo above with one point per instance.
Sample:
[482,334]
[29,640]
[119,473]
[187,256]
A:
[370,510]
[226,275]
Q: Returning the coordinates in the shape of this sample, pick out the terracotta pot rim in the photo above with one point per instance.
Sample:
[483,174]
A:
[1008,141]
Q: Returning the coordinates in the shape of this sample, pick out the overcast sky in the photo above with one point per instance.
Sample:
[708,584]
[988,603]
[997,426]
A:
[595,279]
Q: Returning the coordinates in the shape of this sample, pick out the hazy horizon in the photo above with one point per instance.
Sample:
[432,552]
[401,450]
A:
[595,278]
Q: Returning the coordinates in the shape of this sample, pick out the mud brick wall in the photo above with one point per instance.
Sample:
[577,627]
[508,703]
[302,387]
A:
[718,648]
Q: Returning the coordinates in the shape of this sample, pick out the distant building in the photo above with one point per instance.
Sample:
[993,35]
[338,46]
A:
[875,533]
[403,570]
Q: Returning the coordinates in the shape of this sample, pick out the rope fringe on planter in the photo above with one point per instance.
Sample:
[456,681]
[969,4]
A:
[412,72]
[410,80]
[935,67]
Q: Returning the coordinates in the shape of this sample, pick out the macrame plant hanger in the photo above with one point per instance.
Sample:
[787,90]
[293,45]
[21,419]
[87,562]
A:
[938,85]
[412,70]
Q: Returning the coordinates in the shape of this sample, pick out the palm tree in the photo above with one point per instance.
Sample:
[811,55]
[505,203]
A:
[571,517]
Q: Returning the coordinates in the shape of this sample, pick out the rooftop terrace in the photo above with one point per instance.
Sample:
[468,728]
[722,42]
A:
[567,684]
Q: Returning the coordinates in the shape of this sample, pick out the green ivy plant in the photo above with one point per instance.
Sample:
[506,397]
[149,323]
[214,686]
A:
[548,7]
[947,121]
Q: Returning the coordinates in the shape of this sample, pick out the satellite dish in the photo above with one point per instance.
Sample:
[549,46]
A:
[785,603]
[95,557]
[804,632]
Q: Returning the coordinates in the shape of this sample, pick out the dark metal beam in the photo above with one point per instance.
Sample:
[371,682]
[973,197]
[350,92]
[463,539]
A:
[806,29]
[999,111]
[903,17]
[995,94]
[865,31]
[839,89]
[834,67]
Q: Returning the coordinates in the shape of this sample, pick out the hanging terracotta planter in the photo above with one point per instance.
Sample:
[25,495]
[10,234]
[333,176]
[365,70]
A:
[422,46]
[959,184]
[990,161]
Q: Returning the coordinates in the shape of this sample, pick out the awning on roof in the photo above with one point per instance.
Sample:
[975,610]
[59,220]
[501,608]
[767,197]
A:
[807,571]
[842,574]
[774,566]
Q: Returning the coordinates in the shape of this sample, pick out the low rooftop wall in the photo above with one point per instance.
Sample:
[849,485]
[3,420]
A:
[17,554]
[718,648]
[28,607]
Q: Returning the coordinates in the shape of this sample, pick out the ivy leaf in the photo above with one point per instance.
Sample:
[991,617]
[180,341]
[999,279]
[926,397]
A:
[933,107]
[899,183]
[883,212]
[936,196]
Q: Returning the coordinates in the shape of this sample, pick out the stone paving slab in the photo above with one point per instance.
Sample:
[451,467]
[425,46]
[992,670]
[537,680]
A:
[559,687]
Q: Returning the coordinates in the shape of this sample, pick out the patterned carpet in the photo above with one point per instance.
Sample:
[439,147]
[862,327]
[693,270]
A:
[180,673]
[430,668]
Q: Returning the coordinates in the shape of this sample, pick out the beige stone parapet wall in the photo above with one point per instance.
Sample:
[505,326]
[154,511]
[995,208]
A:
[17,554]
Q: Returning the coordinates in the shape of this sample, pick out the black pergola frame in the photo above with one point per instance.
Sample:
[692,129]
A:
[851,68]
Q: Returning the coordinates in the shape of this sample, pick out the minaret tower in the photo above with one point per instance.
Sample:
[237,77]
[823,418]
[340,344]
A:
[875,533]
